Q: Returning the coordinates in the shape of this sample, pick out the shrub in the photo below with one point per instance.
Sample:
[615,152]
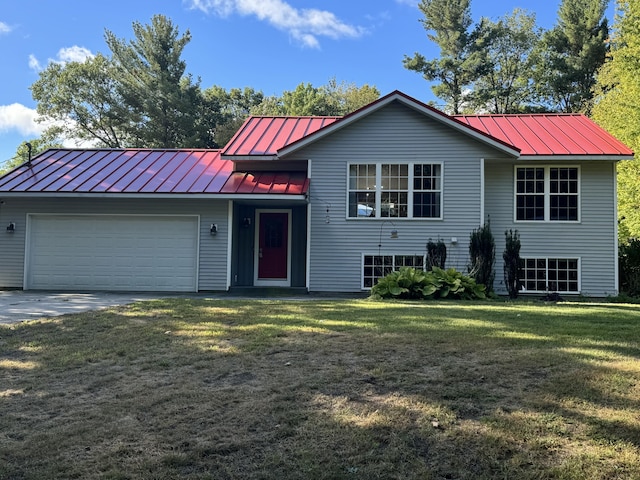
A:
[512,267]
[436,254]
[410,283]
[629,262]
[482,252]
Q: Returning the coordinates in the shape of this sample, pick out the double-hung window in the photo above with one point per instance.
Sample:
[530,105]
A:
[391,190]
[547,194]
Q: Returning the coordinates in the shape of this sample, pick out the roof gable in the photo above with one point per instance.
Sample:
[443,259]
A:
[412,103]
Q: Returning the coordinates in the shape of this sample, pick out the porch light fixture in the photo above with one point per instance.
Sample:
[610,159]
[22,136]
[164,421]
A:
[214,229]
[246,222]
[11,228]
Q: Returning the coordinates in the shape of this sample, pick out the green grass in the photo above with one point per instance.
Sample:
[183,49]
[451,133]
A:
[356,389]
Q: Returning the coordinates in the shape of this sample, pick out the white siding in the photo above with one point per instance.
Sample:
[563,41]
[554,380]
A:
[213,249]
[593,240]
[395,134]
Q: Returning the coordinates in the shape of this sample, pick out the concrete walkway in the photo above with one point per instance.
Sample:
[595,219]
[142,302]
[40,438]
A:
[18,306]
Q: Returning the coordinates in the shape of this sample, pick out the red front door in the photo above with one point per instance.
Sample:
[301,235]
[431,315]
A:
[273,244]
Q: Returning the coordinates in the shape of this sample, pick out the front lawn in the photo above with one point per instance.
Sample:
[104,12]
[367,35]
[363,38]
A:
[355,389]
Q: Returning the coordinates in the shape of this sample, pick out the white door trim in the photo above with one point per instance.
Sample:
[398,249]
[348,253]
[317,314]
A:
[258,282]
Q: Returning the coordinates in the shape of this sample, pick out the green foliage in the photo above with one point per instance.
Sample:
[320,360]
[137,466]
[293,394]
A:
[82,101]
[618,102]
[460,61]
[38,145]
[629,258]
[411,283]
[436,254]
[163,102]
[482,254]
[570,55]
[512,268]
[333,99]
[507,86]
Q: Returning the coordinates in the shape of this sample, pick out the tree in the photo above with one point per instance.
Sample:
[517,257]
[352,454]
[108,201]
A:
[333,99]
[506,86]
[617,109]
[81,100]
[138,97]
[229,109]
[570,55]
[38,145]
[460,62]
[164,103]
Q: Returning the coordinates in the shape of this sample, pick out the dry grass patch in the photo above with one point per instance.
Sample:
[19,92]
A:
[210,389]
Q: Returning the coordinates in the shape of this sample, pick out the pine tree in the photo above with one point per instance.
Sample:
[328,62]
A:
[570,55]
[460,62]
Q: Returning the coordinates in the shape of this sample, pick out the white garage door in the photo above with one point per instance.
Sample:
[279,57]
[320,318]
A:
[109,252]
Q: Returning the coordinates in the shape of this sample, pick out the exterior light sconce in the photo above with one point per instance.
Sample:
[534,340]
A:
[214,229]
[394,234]
[11,228]
[246,222]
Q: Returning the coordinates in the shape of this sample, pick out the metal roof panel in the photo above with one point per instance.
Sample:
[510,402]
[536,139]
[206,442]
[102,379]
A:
[553,134]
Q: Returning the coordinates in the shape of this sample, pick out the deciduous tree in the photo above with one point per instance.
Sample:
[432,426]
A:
[506,86]
[617,108]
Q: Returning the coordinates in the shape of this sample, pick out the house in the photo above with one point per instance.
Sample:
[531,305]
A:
[320,203]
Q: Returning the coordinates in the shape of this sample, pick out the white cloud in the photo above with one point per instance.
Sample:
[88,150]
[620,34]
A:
[34,64]
[305,25]
[74,54]
[4,28]
[16,117]
[65,55]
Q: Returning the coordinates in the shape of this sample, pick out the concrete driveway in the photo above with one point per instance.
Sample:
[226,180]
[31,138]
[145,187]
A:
[18,306]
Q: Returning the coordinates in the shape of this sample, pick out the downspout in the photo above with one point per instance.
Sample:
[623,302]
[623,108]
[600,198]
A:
[482,189]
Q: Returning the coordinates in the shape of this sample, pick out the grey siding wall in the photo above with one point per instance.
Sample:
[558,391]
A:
[395,134]
[593,240]
[213,249]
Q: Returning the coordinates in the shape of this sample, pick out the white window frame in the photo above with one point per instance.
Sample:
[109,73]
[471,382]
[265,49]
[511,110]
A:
[410,191]
[394,267]
[547,193]
[547,259]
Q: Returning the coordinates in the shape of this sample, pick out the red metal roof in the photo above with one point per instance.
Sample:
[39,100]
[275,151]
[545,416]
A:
[549,134]
[146,171]
[264,136]
[292,183]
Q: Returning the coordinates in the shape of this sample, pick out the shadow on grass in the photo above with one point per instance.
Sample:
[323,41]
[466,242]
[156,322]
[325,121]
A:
[323,389]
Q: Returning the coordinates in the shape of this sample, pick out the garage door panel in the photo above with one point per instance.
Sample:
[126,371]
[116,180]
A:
[108,252]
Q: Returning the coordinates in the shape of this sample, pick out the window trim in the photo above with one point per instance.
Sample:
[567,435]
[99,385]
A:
[410,191]
[547,259]
[547,194]
[394,255]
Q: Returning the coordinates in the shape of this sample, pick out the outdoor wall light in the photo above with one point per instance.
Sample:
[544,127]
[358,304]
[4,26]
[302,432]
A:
[246,222]
[11,228]
[214,229]
[394,234]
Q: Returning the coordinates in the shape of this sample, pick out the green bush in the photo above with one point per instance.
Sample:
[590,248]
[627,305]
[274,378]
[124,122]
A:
[410,283]
[482,252]
[629,271]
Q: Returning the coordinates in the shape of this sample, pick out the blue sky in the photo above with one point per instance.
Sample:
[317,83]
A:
[270,45]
